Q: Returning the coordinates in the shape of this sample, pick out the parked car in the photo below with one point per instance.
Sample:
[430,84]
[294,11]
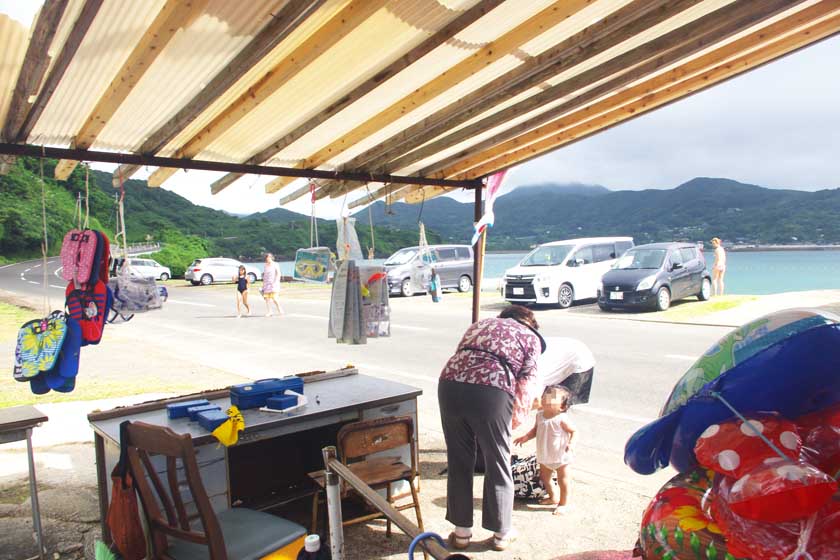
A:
[219,270]
[146,268]
[562,272]
[409,269]
[654,275]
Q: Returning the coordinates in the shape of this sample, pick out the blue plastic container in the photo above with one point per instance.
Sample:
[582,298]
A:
[256,394]
[281,402]
[211,419]
[179,409]
[193,411]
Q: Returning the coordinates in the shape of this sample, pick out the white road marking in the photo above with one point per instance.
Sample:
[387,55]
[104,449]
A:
[681,357]
[58,271]
[58,287]
[36,283]
[8,265]
[25,271]
[585,408]
[36,266]
[181,302]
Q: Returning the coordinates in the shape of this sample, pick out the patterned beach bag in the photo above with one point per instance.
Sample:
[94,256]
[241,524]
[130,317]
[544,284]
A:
[526,478]
[134,294]
[89,308]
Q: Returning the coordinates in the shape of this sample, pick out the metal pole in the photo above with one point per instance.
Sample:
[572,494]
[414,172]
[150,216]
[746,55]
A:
[478,258]
[334,466]
[33,494]
[333,503]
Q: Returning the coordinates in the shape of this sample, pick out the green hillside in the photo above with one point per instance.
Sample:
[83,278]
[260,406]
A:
[186,230]
[697,210]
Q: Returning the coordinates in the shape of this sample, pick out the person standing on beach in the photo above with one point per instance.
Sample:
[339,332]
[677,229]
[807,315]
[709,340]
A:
[271,284]
[718,268]
[485,390]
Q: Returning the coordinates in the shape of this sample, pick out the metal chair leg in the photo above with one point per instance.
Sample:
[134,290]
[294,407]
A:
[388,520]
[416,499]
[315,512]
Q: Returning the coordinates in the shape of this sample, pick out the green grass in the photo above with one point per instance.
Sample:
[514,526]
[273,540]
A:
[690,310]
[11,318]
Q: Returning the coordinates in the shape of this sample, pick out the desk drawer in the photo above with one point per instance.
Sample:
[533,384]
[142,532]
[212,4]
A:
[404,408]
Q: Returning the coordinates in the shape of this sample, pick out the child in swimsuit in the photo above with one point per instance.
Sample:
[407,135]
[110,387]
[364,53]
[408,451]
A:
[242,284]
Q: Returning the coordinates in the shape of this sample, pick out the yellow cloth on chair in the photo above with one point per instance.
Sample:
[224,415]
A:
[288,552]
[228,432]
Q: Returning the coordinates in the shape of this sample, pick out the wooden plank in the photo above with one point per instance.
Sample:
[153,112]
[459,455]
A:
[294,195]
[173,16]
[338,27]
[445,34]
[35,63]
[501,47]
[383,192]
[124,171]
[693,46]
[662,97]
[31,150]
[56,73]
[596,39]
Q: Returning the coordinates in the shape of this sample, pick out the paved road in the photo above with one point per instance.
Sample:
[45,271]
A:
[637,362]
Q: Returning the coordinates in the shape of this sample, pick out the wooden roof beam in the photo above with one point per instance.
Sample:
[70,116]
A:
[338,27]
[445,34]
[614,29]
[695,41]
[173,16]
[661,51]
[279,27]
[56,73]
[34,67]
[383,192]
[501,47]
[718,74]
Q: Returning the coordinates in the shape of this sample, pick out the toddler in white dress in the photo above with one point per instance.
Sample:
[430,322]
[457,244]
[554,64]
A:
[555,436]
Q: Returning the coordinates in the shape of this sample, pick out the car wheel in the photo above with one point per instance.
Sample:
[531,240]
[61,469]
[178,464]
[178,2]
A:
[164,277]
[206,279]
[405,288]
[705,290]
[252,277]
[464,284]
[194,282]
[565,297]
[663,299]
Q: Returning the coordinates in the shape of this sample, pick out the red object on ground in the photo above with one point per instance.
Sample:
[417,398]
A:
[599,555]
[733,448]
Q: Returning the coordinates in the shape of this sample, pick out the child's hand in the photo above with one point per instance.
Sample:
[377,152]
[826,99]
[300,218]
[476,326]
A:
[521,440]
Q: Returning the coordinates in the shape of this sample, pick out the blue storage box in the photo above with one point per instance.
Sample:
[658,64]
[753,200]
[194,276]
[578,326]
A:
[179,409]
[193,411]
[256,394]
[211,419]
[282,402]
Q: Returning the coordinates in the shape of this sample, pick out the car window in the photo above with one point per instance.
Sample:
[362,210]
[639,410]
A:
[447,254]
[401,257]
[675,257]
[584,254]
[688,254]
[155,264]
[464,252]
[547,255]
[601,253]
[147,262]
[430,256]
[622,246]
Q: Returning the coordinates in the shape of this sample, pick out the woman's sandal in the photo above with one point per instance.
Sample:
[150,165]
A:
[548,502]
[459,543]
[500,544]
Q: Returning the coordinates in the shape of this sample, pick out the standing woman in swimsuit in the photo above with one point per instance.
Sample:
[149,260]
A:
[242,284]
[718,268]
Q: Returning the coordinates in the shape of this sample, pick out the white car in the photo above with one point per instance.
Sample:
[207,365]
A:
[147,268]
[217,269]
[562,272]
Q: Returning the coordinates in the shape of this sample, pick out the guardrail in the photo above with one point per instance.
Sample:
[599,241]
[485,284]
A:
[335,470]
[136,249]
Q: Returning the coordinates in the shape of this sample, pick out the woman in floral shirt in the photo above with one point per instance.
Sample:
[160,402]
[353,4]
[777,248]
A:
[485,389]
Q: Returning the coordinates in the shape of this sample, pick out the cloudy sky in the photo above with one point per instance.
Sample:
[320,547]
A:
[777,126]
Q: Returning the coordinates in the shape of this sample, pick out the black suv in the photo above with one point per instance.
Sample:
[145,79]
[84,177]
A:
[654,275]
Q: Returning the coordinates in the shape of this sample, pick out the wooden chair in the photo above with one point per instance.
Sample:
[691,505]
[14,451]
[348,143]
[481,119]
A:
[235,534]
[356,442]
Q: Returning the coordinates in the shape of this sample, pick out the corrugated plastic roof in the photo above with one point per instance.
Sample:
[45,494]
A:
[316,96]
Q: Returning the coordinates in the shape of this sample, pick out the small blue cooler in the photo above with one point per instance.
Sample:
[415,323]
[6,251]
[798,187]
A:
[179,409]
[255,395]
[211,419]
[193,411]
[282,402]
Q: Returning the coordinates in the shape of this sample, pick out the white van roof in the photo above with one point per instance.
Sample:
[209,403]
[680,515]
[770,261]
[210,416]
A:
[582,240]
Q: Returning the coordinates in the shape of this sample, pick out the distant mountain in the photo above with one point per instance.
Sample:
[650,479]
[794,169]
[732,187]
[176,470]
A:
[277,215]
[567,188]
[696,210]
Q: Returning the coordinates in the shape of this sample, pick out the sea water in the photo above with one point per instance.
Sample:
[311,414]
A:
[747,272]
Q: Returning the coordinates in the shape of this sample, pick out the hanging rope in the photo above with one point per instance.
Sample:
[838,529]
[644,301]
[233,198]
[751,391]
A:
[422,204]
[313,220]
[77,212]
[87,196]
[372,248]
[45,246]
[121,222]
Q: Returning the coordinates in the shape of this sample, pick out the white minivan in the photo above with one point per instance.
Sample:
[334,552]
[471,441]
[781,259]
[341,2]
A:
[562,272]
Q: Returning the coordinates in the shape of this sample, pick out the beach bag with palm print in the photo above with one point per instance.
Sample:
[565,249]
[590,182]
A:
[38,345]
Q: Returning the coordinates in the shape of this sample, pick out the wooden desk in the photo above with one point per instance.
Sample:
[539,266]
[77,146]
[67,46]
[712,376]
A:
[272,446]
[16,424]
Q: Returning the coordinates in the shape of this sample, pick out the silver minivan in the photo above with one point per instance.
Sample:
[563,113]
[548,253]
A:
[410,269]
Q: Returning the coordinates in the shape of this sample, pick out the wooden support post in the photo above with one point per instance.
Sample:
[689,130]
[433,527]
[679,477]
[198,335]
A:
[478,258]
